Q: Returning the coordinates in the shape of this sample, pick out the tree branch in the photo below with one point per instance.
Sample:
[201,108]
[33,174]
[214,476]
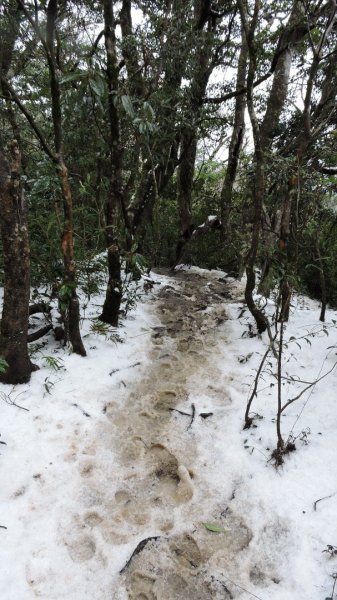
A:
[29,118]
[307,388]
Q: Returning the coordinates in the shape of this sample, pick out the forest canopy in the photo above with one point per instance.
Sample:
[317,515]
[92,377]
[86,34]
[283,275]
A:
[160,132]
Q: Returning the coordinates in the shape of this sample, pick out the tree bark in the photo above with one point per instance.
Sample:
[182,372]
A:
[14,230]
[202,69]
[71,313]
[263,134]
[259,183]
[111,306]
[236,140]
[15,243]
[70,306]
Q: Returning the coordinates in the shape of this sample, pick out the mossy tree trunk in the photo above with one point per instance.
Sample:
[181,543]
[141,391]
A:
[69,302]
[15,243]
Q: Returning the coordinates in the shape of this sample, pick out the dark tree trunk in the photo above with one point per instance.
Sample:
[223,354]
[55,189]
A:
[321,278]
[202,69]
[69,302]
[185,184]
[111,307]
[236,140]
[15,243]
[285,293]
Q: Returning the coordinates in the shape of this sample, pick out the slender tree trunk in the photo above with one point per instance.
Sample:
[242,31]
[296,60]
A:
[111,307]
[263,134]
[202,69]
[72,312]
[285,292]
[258,194]
[69,302]
[15,243]
[321,278]
[259,183]
[236,140]
[14,229]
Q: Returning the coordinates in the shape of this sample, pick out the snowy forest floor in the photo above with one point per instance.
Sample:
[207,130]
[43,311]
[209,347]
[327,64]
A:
[129,475]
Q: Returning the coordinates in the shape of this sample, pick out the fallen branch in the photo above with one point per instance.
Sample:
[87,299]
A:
[39,307]
[212,223]
[36,335]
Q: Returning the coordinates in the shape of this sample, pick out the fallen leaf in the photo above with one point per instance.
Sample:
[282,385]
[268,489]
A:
[214,528]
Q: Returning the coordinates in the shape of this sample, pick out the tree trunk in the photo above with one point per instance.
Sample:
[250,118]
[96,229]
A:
[202,69]
[71,313]
[236,140]
[321,278]
[285,293]
[111,307]
[185,184]
[15,243]
[70,307]
[263,134]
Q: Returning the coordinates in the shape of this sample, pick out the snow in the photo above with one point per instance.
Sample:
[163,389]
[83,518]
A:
[74,487]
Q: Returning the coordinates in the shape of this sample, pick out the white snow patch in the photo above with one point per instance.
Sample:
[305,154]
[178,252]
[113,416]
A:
[49,451]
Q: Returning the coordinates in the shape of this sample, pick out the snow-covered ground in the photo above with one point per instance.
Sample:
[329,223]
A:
[144,439]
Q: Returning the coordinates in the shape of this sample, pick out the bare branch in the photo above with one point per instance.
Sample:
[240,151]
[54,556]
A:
[307,388]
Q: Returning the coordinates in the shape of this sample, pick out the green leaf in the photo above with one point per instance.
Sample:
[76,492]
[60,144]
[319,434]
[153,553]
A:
[148,110]
[65,292]
[214,528]
[74,76]
[3,365]
[97,87]
[127,105]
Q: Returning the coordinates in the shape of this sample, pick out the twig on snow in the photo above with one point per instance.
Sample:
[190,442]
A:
[242,588]
[81,409]
[8,400]
[180,412]
[192,416]
[136,364]
[324,498]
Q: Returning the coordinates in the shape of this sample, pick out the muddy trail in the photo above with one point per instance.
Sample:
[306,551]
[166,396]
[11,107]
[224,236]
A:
[151,433]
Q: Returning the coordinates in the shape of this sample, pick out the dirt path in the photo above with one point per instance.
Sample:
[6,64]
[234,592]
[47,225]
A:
[158,504]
